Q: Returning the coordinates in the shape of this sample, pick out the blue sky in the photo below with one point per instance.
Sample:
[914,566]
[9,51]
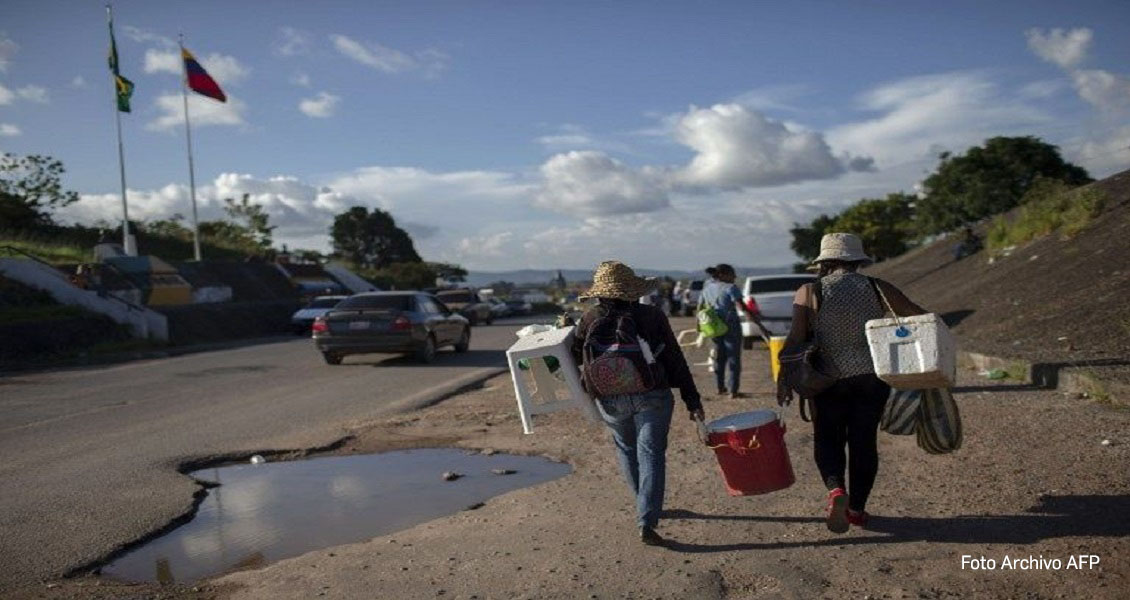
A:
[533,134]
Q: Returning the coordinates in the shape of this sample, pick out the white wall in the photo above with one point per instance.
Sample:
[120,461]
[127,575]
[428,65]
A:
[143,322]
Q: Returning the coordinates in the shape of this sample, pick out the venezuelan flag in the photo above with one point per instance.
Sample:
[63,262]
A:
[199,79]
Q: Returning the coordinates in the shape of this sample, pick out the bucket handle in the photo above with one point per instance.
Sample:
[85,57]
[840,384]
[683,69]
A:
[703,436]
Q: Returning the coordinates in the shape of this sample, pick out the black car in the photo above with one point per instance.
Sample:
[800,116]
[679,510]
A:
[403,322]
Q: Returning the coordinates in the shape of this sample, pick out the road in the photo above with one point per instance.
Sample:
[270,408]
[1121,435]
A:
[89,458]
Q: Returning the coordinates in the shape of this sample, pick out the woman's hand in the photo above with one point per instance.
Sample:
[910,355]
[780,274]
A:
[698,415]
[784,394]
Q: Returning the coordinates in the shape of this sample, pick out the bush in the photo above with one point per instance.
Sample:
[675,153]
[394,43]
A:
[1049,206]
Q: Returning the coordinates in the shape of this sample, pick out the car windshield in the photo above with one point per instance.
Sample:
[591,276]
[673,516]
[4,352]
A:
[390,302]
[324,303]
[776,284]
[455,296]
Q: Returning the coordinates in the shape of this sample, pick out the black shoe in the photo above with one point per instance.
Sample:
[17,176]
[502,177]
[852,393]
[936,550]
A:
[649,537]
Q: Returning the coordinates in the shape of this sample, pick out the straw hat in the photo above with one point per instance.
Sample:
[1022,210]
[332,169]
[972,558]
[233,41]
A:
[616,280]
[846,247]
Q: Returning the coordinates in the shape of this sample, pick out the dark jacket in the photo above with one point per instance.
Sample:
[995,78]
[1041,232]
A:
[654,327]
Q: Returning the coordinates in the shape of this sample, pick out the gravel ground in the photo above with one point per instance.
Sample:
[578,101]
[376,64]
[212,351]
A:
[1033,479]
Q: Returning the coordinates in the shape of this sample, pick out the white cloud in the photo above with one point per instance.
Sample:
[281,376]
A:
[143,36]
[592,183]
[9,130]
[1104,155]
[495,245]
[1107,91]
[300,79]
[321,106]
[163,61]
[738,147]
[567,137]
[1063,48]
[78,82]
[203,111]
[33,93]
[291,42]
[390,60]
[226,70]
[8,49]
[6,95]
[919,115]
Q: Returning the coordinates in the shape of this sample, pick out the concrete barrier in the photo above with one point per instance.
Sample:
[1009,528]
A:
[143,322]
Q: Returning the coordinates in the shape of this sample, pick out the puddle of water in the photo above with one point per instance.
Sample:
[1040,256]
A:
[263,513]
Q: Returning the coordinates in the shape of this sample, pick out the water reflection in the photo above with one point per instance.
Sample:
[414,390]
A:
[262,513]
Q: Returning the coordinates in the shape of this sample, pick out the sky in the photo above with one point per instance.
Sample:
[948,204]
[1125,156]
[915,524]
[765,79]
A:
[508,135]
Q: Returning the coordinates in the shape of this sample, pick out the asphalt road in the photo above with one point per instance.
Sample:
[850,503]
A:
[88,458]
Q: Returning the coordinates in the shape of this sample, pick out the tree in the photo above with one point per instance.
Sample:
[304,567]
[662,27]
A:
[254,219]
[371,239]
[886,226]
[989,180]
[31,189]
[806,240]
[172,227]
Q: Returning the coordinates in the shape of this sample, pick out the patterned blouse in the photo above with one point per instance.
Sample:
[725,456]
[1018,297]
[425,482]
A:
[849,302]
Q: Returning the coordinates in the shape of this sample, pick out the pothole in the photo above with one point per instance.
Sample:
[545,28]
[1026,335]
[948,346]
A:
[261,513]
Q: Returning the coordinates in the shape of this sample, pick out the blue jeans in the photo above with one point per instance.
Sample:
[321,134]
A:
[639,425]
[728,355]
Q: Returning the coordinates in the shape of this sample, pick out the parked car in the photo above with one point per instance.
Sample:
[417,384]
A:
[690,297]
[303,318]
[519,306]
[403,322]
[771,298]
[467,303]
[498,308]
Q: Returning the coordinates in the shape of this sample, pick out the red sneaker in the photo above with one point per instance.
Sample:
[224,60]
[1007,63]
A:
[857,517]
[837,520]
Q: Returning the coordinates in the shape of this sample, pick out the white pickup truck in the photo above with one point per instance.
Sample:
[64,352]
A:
[770,297]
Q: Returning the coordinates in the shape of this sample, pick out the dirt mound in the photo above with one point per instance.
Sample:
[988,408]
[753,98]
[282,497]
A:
[1052,300]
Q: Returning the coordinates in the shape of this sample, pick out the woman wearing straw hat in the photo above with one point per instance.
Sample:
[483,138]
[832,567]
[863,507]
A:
[639,422]
[848,413]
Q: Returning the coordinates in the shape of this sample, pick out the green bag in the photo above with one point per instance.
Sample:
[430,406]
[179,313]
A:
[710,324]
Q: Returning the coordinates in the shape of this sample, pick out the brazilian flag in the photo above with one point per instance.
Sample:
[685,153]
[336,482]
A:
[122,86]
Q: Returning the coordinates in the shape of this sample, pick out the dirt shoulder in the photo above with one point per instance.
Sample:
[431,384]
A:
[1032,480]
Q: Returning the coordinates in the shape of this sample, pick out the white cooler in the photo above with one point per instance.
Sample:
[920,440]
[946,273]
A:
[912,353]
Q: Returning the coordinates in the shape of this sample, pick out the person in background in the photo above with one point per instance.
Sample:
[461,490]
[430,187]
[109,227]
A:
[639,422]
[848,413]
[723,296]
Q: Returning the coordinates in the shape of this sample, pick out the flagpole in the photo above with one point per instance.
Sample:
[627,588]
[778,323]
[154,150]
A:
[130,250]
[191,169]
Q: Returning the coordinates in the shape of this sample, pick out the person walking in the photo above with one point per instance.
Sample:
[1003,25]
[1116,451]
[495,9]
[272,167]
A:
[847,413]
[631,361]
[723,296]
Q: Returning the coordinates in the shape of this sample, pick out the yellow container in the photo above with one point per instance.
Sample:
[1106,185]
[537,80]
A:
[776,343]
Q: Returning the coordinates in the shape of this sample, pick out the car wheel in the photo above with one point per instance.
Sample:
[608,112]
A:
[332,358]
[490,320]
[472,319]
[464,342]
[747,343]
[427,353]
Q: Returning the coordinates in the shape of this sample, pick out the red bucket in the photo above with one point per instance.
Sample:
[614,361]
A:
[751,452]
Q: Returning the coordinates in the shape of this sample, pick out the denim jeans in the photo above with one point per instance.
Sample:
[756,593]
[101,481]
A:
[728,356]
[639,425]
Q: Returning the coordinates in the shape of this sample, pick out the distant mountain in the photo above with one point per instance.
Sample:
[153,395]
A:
[543,276]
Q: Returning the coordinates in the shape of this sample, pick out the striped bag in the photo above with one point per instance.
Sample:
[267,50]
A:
[939,422]
[900,417]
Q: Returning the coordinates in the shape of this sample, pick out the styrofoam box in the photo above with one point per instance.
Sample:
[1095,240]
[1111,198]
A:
[921,354]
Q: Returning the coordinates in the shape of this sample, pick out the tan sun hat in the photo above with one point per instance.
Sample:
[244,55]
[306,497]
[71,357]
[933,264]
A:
[846,247]
[616,280]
